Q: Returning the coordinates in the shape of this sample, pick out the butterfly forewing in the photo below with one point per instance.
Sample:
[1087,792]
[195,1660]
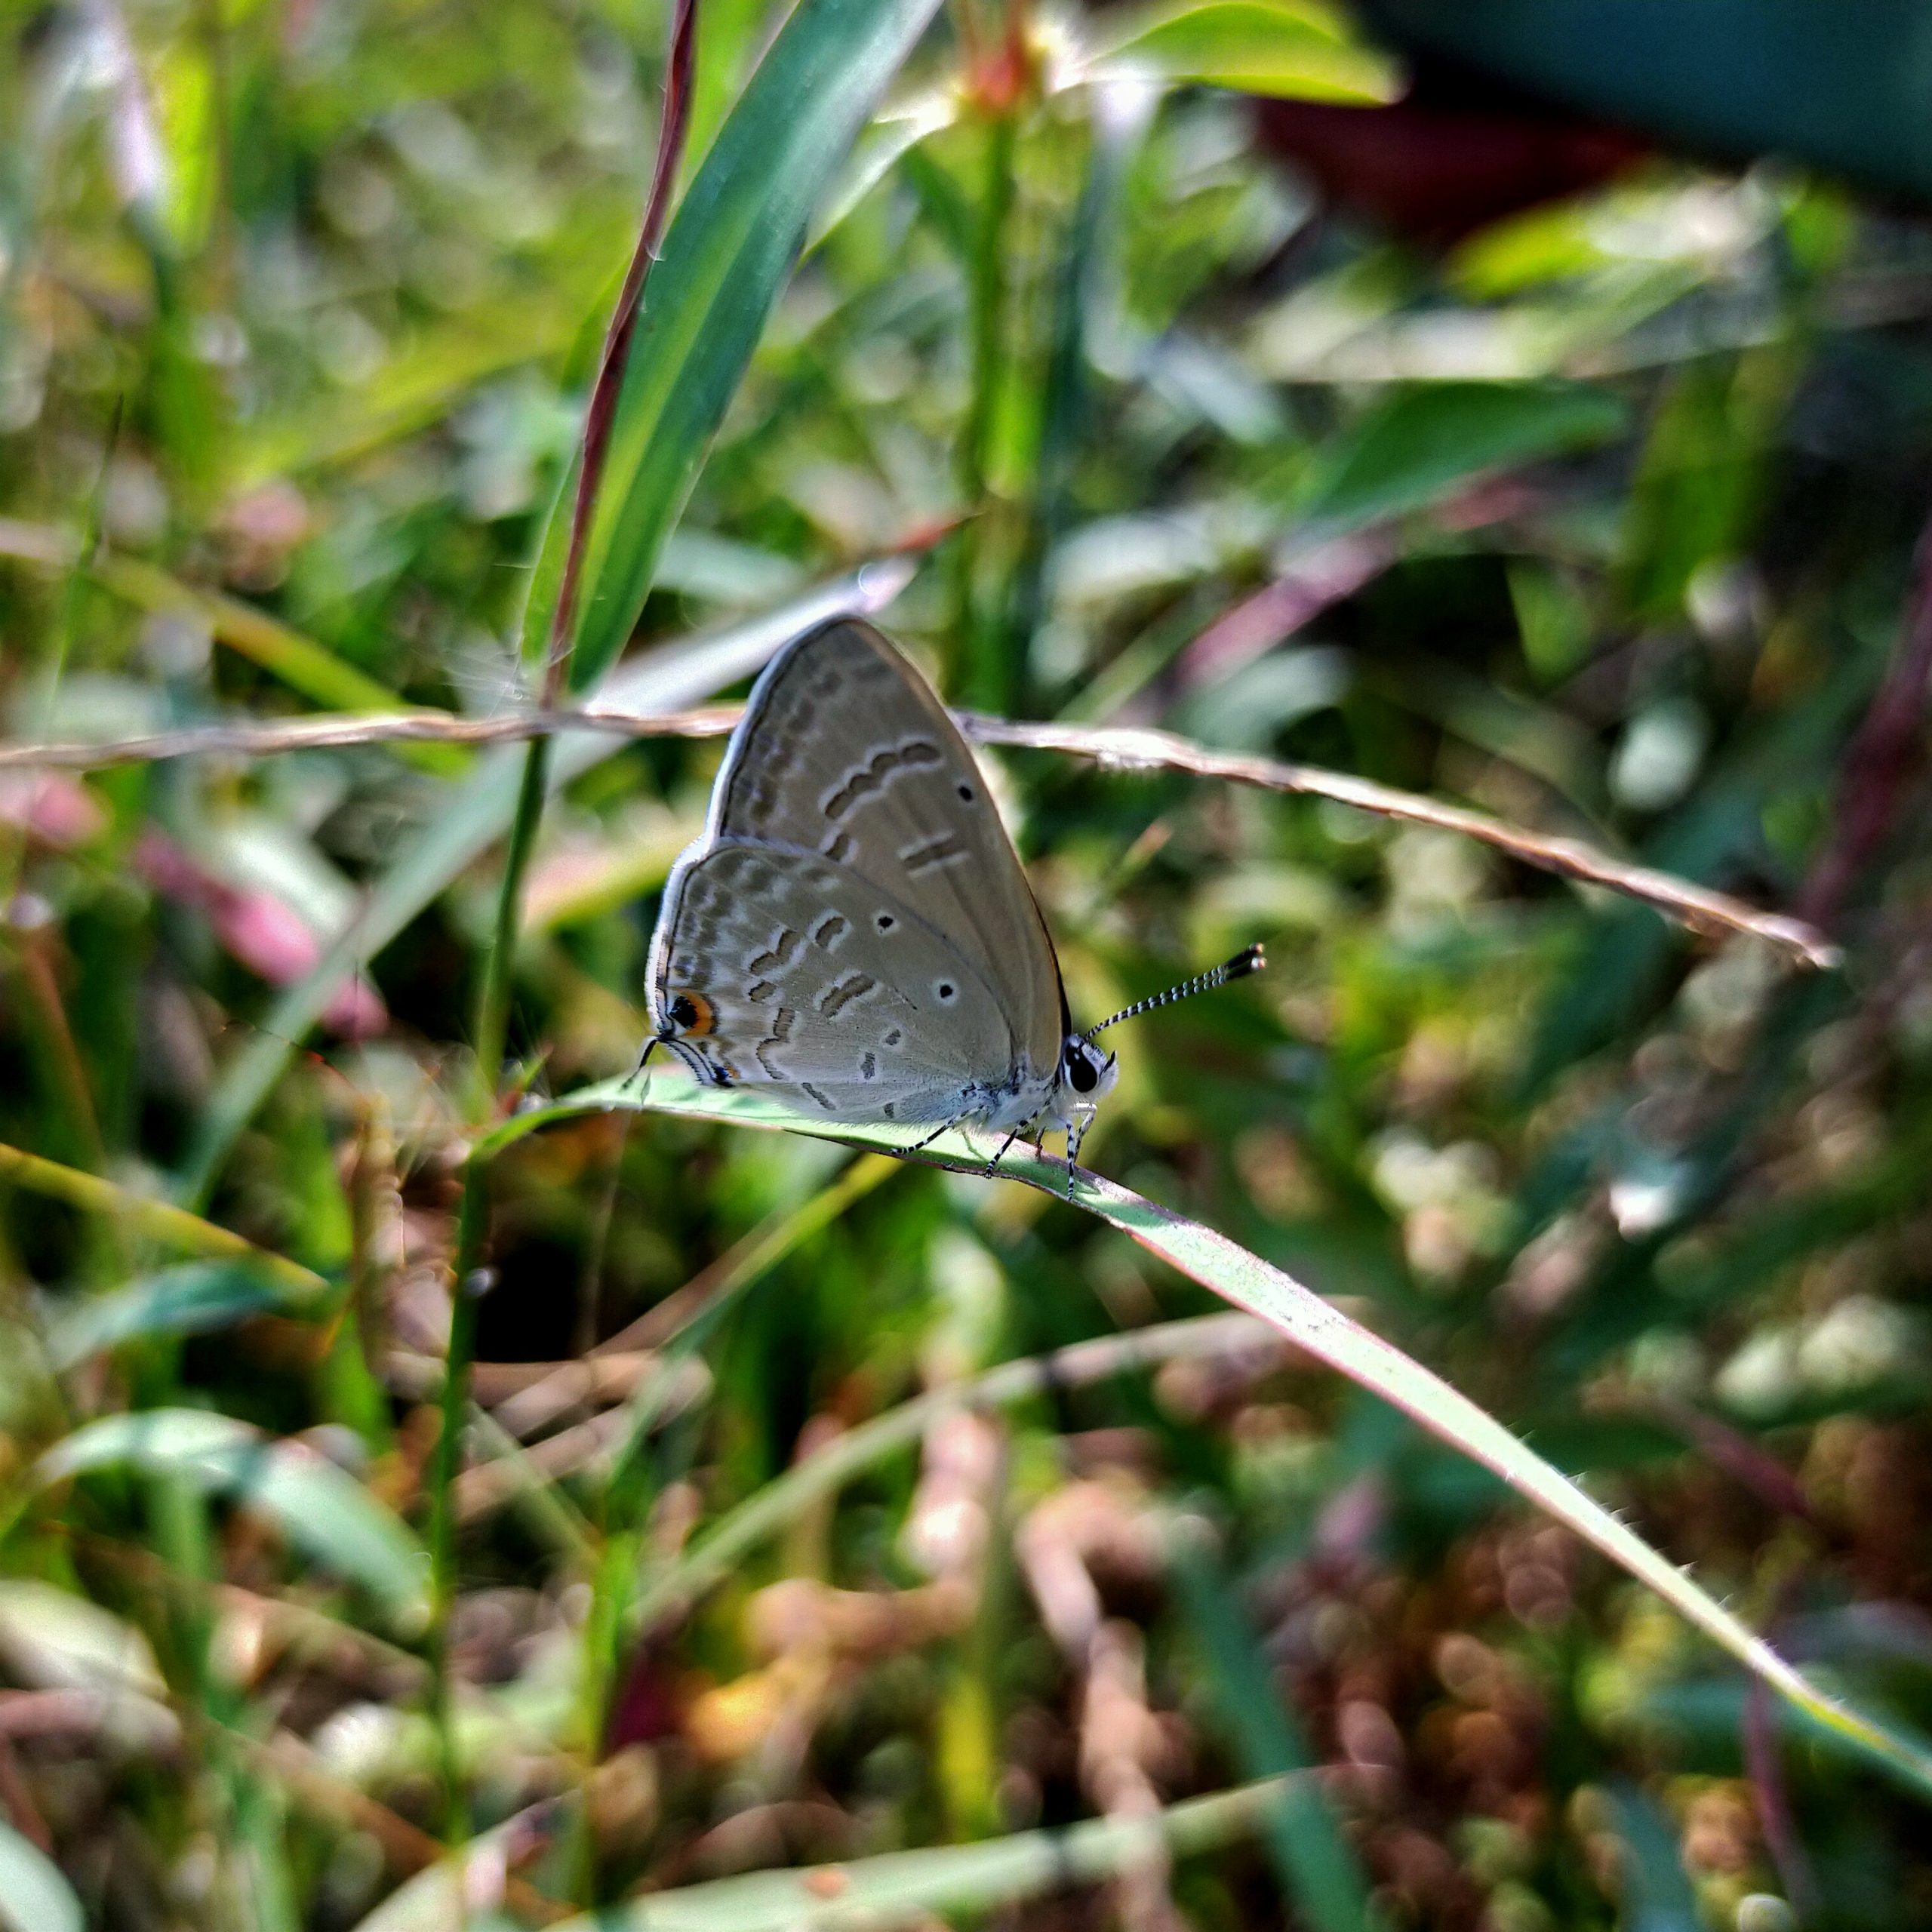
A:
[797,972]
[847,753]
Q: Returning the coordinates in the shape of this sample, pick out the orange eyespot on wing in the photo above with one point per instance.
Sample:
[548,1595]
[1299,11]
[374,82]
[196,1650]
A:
[691,1013]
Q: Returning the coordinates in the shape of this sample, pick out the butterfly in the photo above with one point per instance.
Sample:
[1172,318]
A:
[853,930]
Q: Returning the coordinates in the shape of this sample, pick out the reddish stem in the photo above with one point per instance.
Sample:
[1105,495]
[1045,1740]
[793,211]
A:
[602,410]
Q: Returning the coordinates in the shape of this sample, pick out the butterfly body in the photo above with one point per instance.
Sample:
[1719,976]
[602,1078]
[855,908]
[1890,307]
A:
[853,930]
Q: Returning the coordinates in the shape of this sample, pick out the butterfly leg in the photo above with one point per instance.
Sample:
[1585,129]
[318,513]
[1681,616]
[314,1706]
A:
[992,1166]
[944,1127]
[636,1073]
[1076,1132]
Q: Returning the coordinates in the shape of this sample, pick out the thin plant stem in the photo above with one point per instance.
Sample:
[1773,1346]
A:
[602,409]
[1119,747]
[472,1275]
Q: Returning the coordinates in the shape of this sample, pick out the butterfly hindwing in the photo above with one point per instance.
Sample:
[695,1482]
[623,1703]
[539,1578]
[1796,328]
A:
[801,974]
[846,751]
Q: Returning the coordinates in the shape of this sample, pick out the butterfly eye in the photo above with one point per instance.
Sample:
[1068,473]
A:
[691,1013]
[1082,1074]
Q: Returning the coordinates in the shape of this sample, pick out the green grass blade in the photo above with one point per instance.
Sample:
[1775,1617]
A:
[901,1887]
[477,815]
[321,1509]
[192,1299]
[1412,449]
[284,653]
[1258,46]
[730,249]
[157,1221]
[1318,1869]
[1297,1313]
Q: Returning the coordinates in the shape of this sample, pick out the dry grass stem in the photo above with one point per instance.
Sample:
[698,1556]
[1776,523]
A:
[1700,908]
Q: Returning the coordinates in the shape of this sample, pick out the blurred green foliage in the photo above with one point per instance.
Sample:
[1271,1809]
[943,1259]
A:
[1602,519]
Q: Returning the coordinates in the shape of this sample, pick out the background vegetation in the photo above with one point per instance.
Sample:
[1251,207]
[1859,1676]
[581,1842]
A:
[920,1543]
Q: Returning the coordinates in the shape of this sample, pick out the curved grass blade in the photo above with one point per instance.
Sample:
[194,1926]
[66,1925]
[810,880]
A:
[135,1214]
[193,1299]
[902,1888]
[1317,1864]
[1297,1313]
[735,235]
[1259,46]
[477,814]
[321,1509]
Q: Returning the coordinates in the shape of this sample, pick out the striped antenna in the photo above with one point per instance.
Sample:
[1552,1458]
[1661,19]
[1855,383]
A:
[1250,959]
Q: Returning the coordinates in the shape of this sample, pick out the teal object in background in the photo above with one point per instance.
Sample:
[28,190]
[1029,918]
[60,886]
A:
[1845,89]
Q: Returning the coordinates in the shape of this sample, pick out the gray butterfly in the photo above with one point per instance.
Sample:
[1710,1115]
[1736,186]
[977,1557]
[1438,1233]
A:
[853,930]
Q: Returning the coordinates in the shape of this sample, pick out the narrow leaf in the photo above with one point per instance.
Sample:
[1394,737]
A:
[189,1300]
[903,1887]
[1319,1870]
[730,249]
[1244,1279]
[1257,46]
[319,1508]
[153,1220]
[1414,448]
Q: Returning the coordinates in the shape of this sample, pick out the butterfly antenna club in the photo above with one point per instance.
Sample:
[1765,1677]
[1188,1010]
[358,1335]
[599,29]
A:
[1250,959]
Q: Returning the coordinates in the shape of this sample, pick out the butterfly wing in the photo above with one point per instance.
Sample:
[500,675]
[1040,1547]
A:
[802,975]
[845,750]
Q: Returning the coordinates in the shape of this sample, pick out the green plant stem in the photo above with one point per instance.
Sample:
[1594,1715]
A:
[472,1279]
[977,677]
[493,1009]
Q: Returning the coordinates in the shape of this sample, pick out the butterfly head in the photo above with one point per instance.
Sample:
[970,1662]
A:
[1087,1072]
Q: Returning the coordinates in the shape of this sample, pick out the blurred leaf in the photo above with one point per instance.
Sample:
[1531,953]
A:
[887,143]
[299,662]
[417,388]
[1660,1897]
[321,1509]
[191,1300]
[902,1887]
[1265,47]
[440,1897]
[471,821]
[154,1220]
[1319,1872]
[731,247]
[1698,486]
[54,1640]
[50,1639]
[1423,442]
[35,1895]
[1305,1318]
